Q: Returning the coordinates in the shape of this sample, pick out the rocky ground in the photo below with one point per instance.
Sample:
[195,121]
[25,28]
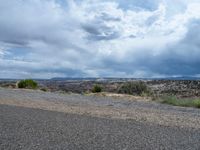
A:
[180,88]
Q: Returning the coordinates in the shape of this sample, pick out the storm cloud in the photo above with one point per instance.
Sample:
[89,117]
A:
[98,38]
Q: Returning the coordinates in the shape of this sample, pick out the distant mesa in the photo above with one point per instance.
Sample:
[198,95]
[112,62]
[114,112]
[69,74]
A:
[120,79]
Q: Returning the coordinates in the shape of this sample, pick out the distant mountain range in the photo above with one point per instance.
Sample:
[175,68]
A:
[110,78]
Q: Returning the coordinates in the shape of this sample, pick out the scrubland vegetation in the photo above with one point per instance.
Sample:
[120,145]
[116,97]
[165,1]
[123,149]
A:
[173,100]
[97,89]
[27,84]
[135,88]
[172,92]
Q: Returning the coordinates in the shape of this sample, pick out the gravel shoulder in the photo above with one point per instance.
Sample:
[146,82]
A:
[136,109]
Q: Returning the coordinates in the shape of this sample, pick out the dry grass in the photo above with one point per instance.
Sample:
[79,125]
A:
[121,96]
[173,100]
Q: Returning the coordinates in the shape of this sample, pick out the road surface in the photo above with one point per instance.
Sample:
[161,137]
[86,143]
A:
[27,128]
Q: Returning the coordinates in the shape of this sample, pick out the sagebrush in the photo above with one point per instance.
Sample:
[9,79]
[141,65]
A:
[134,88]
[173,100]
[28,84]
[97,89]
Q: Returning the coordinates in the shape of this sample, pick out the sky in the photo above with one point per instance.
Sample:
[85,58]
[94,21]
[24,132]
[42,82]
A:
[99,38]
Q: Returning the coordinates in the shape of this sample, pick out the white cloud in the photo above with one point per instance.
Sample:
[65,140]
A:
[97,38]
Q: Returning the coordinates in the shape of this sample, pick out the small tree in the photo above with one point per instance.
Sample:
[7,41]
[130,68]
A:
[28,83]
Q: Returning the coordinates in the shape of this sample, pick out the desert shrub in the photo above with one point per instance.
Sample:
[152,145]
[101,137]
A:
[28,83]
[96,89]
[173,100]
[134,88]
[44,89]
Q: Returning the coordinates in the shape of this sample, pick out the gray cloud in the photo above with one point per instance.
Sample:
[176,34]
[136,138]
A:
[49,38]
[98,32]
[181,58]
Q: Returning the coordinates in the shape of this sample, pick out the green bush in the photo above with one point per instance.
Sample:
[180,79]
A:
[134,88]
[44,89]
[28,84]
[173,100]
[96,89]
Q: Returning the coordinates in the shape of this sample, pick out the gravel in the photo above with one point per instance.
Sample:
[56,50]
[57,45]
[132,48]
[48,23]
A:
[92,100]
[41,120]
[29,129]
[120,108]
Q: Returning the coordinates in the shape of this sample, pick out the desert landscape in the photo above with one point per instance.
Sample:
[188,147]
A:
[76,99]
[99,75]
[181,88]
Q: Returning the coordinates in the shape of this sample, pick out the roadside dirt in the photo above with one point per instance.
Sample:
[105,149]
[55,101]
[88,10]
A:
[111,106]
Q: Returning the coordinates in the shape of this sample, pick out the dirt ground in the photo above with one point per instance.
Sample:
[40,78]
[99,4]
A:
[109,106]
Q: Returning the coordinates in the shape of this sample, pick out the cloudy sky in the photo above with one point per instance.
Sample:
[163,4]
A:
[99,38]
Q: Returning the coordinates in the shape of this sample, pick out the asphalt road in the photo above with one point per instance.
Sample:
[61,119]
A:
[27,128]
